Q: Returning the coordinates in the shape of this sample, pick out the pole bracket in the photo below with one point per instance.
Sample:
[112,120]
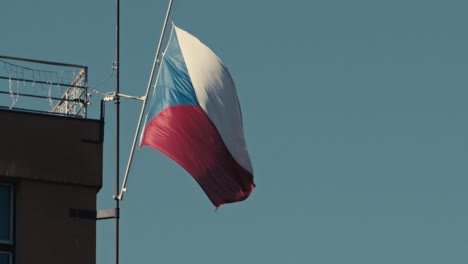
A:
[94,215]
[107,214]
[113,96]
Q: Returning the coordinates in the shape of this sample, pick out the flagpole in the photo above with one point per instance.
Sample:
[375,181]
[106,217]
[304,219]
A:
[148,88]
[117,132]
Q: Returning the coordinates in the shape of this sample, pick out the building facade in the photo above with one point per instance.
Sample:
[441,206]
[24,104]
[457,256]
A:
[50,174]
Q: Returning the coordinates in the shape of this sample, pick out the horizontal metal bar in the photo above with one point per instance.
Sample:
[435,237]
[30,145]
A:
[43,62]
[94,215]
[141,98]
[42,82]
[107,214]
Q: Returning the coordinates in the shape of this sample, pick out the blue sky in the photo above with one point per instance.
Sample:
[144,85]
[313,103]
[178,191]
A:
[354,115]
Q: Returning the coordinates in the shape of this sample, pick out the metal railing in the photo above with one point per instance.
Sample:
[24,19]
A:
[43,86]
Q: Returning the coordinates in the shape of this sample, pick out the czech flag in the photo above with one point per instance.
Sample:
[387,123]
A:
[195,119]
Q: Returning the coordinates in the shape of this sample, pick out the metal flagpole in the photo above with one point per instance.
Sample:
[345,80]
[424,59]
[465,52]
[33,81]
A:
[117,132]
[148,88]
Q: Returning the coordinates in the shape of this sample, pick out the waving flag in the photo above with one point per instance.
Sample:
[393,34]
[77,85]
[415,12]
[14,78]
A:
[195,119]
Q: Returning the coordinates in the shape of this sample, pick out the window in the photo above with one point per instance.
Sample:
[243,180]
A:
[6,224]
[5,258]
[5,214]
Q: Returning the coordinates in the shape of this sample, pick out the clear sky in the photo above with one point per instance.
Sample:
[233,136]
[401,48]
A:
[354,112]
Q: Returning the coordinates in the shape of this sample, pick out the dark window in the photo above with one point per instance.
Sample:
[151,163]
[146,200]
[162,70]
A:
[5,258]
[6,224]
[5,214]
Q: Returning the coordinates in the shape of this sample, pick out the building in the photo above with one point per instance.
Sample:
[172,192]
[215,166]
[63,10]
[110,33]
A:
[50,174]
